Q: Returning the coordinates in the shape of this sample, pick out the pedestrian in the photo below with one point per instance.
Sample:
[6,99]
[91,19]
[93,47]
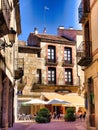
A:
[58,115]
[55,115]
[84,115]
[80,115]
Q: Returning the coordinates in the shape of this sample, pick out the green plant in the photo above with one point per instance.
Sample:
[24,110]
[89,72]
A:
[70,116]
[43,116]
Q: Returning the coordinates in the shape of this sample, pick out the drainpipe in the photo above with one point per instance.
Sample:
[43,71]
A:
[77,68]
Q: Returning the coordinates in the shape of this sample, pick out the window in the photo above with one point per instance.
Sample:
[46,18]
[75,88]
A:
[68,76]
[88,51]
[19,92]
[51,75]
[38,54]
[39,79]
[68,55]
[51,54]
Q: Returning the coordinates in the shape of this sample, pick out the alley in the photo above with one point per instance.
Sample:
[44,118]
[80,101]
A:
[53,125]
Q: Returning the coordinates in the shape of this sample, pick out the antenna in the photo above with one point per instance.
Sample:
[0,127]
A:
[45,9]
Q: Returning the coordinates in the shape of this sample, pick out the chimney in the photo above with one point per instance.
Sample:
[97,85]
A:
[35,31]
[71,28]
[61,27]
[44,31]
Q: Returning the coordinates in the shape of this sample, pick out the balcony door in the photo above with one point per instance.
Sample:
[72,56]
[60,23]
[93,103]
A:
[87,40]
[51,54]
[51,75]
[68,55]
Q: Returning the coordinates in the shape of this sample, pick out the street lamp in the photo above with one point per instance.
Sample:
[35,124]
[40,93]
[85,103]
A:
[11,36]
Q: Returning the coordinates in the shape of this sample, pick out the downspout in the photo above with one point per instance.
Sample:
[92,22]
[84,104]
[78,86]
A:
[77,68]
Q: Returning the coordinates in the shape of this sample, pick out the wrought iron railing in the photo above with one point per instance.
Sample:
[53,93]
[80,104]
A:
[51,61]
[83,10]
[84,49]
[84,56]
[69,63]
[6,10]
[5,15]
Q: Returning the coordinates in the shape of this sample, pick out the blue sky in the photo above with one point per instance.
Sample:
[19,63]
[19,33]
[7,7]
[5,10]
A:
[58,13]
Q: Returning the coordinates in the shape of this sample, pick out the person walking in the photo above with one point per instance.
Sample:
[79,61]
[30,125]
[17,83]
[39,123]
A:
[54,115]
[84,115]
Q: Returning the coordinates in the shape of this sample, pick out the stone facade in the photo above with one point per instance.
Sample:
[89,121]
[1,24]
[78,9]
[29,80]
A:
[77,36]
[8,19]
[90,60]
[33,62]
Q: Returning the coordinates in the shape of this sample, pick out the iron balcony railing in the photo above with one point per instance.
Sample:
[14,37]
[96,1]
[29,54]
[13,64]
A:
[6,10]
[51,61]
[41,81]
[84,53]
[68,63]
[44,87]
[5,15]
[83,10]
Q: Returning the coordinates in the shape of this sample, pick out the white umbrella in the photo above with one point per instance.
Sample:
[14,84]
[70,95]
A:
[35,102]
[57,101]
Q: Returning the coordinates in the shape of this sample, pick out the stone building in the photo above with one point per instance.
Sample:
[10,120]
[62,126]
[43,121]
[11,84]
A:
[49,66]
[77,36]
[88,58]
[9,24]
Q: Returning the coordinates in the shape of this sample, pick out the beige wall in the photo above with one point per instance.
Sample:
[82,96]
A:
[10,53]
[91,71]
[94,25]
[60,55]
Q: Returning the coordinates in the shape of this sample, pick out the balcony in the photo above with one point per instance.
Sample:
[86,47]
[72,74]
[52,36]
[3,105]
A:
[53,88]
[83,10]
[42,87]
[21,84]
[5,13]
[84,53]
[51,62]
[67,63]
[19,68]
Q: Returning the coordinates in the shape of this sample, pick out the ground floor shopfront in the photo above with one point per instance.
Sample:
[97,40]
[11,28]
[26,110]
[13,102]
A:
[32,109]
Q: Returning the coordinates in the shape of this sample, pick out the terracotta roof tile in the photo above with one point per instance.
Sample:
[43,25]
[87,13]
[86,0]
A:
[50,37]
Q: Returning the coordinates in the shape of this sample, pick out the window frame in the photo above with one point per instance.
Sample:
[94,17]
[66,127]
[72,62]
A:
[51,75]
[68,76]
[51,54]
[68,55]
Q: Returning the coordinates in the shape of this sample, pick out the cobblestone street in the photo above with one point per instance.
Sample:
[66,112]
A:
[53,125]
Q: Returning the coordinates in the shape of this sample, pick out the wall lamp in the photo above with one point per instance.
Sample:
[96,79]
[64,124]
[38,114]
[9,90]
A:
[11,36]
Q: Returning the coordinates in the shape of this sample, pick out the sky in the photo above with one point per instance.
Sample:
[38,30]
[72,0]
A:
[47,13]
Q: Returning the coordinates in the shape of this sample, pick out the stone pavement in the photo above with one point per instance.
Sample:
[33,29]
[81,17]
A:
[53,125]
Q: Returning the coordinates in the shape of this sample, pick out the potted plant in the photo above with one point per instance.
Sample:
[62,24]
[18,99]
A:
[43,116]
[70,115]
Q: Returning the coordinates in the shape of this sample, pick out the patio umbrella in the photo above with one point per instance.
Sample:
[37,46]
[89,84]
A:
[57,101]
[35,102]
